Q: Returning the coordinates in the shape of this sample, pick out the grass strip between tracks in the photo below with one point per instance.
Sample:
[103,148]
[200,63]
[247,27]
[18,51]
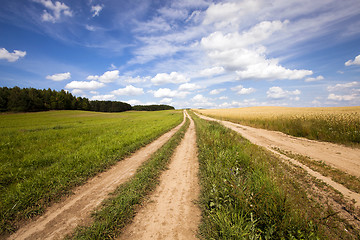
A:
[117,211]
[245,192]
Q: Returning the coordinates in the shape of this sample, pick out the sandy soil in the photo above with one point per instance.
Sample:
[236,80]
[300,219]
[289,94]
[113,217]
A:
[171,212]
[61,218]
[344,158]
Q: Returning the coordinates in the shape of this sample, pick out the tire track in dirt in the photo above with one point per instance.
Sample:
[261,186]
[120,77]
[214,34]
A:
[171,211]
[62,218]
[344,158]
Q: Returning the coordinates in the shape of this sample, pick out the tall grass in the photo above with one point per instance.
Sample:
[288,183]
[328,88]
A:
[44,155]
[245,193]
[337,124]
[120,208]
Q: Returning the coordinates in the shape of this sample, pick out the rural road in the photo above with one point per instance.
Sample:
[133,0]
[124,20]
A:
[171,212]
[62,218]
[340,157]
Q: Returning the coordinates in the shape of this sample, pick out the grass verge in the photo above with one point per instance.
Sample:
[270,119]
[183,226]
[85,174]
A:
[117,211]
[249,194]
[349,181]
[44,155]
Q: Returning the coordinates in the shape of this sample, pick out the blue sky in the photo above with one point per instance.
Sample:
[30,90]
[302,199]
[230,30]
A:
[191,53]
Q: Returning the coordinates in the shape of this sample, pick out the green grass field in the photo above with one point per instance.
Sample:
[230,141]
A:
[44,155]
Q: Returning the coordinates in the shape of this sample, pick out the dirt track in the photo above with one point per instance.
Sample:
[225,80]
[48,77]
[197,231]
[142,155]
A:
[61,218]
[171,212]
[343,158]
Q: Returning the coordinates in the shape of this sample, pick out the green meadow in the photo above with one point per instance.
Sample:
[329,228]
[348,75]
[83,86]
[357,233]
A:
[44,155]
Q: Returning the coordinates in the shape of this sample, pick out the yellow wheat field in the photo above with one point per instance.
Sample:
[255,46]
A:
[334,124]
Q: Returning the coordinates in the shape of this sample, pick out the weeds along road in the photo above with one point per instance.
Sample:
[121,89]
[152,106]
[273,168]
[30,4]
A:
[171,211]
[344,158]
[62,218]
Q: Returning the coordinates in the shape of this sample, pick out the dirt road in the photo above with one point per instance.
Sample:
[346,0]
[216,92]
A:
[343,158]
[171,212]
[61,218]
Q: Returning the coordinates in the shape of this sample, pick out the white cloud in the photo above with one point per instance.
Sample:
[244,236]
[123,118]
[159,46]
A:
[345,92]
[59,76]
[223,98]
[242,91]
[166,101]
[83,85]
[137,79]
[107,77]
[106,97]
[96,9]
[314,79]
[90,28]
[235,52]
[11,57]
[188,87]
[342,86]
[217,91]
[154,25]
[57,9]
[356,61]
[77,92]
[128,91]
[202,101]
[168,93]
[134,102]
[342,97]
[174,77]
[164,93]
[208,72]
[279,93]
[229,14]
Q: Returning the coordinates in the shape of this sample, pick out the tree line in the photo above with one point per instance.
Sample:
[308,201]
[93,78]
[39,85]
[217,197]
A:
[32,100]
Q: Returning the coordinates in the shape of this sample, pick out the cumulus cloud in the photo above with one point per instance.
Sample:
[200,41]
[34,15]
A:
[217,91]
[77,92]
[229,13]
[105,97]
[57,9]
[164,92]
[279,93]
[188,87]
[59,76]
[335,97]
[345,92]
[242,91]
[134,102]
[107,77]
[356,61]
[202,101]
[174,77]
[84,85]
[208,72]
[243,53]
[168,93]
[128,91]
[166,101]
[137,79]
[342,86]
[314,79]
[11,57]
[96,10]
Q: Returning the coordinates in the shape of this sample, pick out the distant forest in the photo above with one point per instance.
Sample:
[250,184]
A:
[32,100]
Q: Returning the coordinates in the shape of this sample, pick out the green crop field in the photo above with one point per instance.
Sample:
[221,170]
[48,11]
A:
[44,155]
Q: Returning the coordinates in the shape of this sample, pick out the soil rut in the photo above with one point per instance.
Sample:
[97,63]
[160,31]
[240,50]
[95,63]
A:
[61,218]
[343,158]
[171,212]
